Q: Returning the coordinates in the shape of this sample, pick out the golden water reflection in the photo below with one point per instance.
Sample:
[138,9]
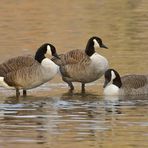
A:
[82,120]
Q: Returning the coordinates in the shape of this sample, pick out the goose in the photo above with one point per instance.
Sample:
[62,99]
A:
[126,85]
[27,72]
[83,66]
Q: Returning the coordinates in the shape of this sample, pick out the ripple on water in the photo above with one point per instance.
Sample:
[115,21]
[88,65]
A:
[56,120]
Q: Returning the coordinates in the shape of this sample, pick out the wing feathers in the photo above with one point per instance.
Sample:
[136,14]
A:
[134,81]
[15,63]
[71,57]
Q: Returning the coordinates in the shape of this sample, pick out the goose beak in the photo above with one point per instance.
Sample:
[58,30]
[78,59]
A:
[56,55]
[103,46]
[105,83]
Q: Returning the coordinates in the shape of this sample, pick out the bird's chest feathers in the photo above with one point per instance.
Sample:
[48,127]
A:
[49,68]
[111,89]
[98,62]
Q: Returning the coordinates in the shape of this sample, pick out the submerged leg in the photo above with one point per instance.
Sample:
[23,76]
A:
[69,84]
[24,93]
[17,93]
[83,87]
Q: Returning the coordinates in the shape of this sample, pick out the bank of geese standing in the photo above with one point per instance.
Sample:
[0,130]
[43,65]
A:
[84,66]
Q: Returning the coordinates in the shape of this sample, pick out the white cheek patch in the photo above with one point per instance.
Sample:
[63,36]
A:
[113,76]
[49,50]
[96,44]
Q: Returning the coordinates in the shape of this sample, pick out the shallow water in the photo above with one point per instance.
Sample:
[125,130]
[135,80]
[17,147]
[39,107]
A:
[52,117]
[70,120]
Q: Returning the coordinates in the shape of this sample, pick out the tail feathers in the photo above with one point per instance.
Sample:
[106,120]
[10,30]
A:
[3,83]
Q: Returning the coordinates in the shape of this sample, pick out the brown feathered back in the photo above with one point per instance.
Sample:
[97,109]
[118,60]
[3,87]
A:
[74,65]
[134,85]
[134,81]
[71,57]
[16,63]
[24,76]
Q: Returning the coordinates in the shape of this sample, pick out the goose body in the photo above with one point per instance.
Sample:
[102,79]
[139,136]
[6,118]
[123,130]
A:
[83,66]
[126,85]
[15,63]
[27,72]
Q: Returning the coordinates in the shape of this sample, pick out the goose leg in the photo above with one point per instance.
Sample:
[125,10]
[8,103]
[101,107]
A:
[69,84]
[83,87]
[24,93]
[17,93]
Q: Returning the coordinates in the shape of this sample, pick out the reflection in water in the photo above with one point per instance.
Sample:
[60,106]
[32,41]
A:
[75,120]
[79,119]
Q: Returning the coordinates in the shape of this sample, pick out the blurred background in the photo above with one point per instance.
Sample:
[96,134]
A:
[122,25]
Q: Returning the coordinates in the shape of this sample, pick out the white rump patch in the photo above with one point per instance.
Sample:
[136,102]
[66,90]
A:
[113,76]
[49,50]
[96,44]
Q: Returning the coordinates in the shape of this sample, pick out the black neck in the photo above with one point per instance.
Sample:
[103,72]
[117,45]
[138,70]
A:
[117,81]
[39,56]
[90,48]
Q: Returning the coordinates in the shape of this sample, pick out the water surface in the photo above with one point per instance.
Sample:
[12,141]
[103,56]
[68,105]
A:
[52,117]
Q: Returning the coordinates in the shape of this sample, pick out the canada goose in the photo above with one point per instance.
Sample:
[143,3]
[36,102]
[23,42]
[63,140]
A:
[126,85]
[26,72]
[83,66]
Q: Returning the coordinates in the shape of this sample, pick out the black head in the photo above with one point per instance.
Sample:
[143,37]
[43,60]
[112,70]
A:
[112,76]
[92,44]
[45,48]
